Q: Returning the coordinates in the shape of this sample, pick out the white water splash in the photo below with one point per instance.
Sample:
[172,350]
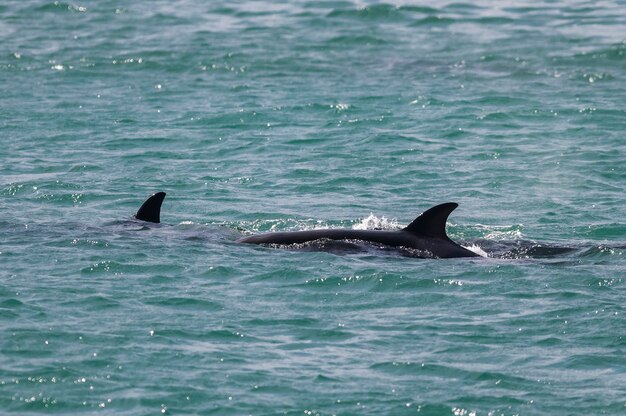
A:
[475,249]
[372,222]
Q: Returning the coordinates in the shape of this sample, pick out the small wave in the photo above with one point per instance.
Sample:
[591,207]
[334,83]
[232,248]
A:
[502,233]
[601,251]
[59,6]
[356,40]
[434,20]
[180,302]
[374,12]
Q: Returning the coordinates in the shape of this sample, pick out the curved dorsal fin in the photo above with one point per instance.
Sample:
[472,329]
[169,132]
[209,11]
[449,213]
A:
[151,209]
[432,223]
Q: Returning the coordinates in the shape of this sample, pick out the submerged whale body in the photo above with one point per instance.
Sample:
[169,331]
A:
[427,233]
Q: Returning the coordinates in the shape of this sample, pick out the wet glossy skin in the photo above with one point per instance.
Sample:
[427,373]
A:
[439,247]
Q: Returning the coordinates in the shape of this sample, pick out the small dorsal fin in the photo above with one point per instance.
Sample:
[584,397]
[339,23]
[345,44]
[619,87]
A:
[151,209]
[432,223]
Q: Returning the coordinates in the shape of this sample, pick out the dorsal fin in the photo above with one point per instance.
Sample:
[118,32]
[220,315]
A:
[432,223]
[151,209]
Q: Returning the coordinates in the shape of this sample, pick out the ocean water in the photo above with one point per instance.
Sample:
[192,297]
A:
[256,116]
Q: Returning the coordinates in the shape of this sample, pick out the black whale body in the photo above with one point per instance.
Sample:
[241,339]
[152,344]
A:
[427,233]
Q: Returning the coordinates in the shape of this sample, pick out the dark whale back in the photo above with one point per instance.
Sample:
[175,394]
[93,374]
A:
[426,233]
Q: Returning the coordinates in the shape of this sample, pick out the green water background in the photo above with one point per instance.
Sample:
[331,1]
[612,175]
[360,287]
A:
[257,116]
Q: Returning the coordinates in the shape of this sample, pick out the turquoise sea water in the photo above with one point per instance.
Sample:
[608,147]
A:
[257,116]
